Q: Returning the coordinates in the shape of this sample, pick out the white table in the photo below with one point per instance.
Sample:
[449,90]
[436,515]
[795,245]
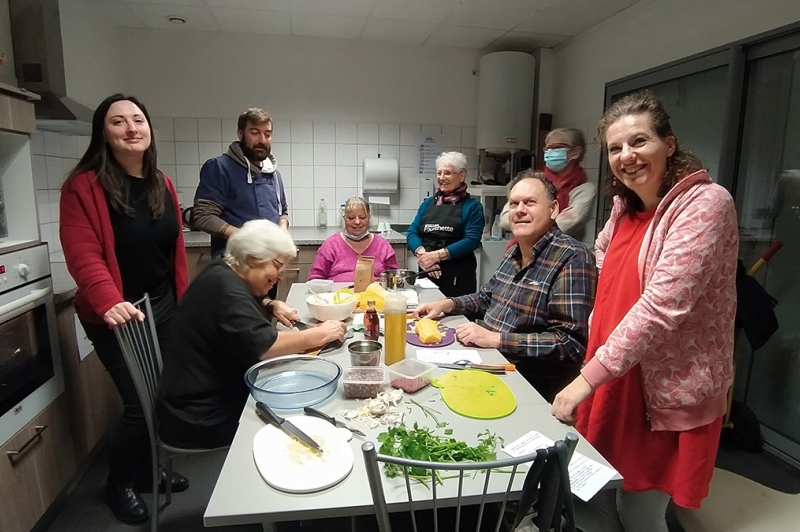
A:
[242,497]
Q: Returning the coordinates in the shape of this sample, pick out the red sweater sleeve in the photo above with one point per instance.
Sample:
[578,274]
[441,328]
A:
[179,266]
[83,244]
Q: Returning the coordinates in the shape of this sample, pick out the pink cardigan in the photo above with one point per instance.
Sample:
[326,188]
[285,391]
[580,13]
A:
[337,261]
[681,329]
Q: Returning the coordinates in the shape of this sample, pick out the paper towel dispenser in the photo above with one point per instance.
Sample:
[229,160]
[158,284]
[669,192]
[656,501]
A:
[380,176]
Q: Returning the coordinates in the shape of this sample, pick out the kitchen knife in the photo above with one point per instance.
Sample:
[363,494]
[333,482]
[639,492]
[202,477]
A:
[499,369]
[330,419]
[286,426]
[301,326]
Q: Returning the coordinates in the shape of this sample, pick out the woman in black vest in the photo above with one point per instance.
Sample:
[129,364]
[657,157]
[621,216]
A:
[448,228]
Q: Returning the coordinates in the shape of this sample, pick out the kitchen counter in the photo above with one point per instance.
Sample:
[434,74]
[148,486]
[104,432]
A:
[303,236]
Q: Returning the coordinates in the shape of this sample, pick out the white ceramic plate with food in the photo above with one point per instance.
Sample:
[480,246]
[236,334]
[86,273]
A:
[288,465]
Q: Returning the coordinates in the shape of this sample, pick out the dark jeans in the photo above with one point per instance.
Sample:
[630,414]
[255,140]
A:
[129,445]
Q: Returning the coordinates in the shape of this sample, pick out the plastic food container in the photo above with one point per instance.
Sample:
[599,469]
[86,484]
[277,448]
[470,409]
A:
[364,382]
[410,374]
[365,353]
[292,381]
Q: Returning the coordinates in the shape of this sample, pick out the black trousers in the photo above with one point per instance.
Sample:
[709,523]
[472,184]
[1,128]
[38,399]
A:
[129,445]
[549,378]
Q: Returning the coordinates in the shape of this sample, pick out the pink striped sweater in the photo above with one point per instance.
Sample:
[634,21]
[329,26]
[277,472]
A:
[681,329]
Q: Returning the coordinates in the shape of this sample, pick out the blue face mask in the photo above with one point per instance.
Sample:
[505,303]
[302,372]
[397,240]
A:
[556,159]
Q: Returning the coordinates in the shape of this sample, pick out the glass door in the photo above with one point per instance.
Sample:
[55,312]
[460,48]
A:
[768,205]
[695,94]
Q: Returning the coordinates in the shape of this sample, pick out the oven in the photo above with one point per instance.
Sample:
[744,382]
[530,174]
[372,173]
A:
[30,364]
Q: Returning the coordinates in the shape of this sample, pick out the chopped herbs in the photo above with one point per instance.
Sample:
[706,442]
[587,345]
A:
[421,444]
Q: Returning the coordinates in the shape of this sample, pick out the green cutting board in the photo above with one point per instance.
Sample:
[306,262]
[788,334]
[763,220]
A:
[476,394]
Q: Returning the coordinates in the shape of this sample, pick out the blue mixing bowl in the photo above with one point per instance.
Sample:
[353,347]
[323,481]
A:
[293,381]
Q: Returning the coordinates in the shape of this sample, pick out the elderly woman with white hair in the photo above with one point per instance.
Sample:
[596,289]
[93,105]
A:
[222,327]
[448,228]
[339,254]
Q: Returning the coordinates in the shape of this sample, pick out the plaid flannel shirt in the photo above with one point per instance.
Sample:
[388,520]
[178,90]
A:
[541,310]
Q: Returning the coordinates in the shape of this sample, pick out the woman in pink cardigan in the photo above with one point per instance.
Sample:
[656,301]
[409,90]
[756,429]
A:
[652,393]
[337,257]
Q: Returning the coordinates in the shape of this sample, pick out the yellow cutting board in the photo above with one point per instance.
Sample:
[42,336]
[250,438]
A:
[476,394]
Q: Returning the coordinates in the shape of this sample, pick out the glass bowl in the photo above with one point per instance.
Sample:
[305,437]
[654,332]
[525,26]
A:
[292,381]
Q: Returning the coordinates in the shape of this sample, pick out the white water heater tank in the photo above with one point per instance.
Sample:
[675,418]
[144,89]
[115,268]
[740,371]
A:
[505,102]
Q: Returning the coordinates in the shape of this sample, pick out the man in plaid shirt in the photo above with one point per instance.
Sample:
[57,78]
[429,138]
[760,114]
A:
[536,306]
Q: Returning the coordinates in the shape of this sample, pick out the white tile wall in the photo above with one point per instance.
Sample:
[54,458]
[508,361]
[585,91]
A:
[316,159]
[54,155]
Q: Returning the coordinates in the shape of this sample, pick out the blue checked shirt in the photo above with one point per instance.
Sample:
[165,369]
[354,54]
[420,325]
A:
[541,310]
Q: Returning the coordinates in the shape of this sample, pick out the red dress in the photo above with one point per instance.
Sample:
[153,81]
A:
[614,418]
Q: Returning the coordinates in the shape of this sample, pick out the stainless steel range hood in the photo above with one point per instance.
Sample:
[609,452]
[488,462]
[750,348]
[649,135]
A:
[39,64]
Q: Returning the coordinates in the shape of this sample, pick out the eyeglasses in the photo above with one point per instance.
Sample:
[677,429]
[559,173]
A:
[557,147]
[445,173]
[280,266]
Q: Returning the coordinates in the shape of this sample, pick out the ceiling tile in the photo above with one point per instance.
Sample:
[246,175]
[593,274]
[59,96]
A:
[310,25]
[168,2]
[155,16]
[397,31]
[559,21]
[614,6]
[462,37]
[254,21]
[414,10]
[495,14]
[268,5]
[525,42]
[119,14]
[347,8]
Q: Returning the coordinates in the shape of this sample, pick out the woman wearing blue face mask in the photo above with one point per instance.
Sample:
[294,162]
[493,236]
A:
[564,149]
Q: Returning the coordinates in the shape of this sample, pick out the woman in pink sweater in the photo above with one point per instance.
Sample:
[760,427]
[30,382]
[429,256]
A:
[651,395]
[338,255]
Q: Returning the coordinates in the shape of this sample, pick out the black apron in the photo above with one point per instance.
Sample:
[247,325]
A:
[441,227]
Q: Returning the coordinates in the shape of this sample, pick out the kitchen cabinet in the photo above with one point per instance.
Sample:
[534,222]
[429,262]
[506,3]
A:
[41,463]
[197,259]
[19,487]
[94,404]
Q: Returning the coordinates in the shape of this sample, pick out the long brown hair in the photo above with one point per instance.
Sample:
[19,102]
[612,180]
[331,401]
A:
[679,164]
[100,159]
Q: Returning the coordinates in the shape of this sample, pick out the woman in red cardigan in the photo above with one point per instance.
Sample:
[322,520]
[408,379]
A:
[122,237]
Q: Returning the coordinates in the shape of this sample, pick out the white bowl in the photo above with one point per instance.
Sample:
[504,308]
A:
[319,285]
[328,310]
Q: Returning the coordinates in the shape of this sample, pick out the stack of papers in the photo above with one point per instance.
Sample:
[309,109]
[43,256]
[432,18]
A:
[586,476]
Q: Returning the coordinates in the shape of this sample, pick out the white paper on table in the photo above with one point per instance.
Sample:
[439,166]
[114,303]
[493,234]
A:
[425,283]
[448,356]
[586,476]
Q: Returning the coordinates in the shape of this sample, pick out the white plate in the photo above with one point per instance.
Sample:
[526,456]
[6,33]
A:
[288,465]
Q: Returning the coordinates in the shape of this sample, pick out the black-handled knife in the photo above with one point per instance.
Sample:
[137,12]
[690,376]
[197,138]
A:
[286,426]
[332,420]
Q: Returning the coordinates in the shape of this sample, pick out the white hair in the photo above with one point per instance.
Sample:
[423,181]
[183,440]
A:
[261,240]
[454,159]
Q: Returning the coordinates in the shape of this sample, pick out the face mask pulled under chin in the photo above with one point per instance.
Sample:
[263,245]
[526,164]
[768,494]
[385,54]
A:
[357,238]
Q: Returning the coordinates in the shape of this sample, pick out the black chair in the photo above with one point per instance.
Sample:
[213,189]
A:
[545,489]
[139,344]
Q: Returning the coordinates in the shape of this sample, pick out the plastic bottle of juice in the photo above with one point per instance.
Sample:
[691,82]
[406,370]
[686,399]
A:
[372,324]
[395,319]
